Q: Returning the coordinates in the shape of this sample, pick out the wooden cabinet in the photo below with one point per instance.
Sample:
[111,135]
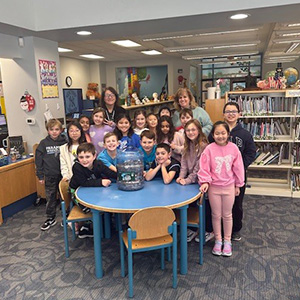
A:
[17,180]
[214,107]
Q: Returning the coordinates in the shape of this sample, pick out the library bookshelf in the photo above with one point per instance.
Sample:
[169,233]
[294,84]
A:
[272,117]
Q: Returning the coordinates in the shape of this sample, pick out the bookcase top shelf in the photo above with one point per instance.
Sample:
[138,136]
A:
[287,92]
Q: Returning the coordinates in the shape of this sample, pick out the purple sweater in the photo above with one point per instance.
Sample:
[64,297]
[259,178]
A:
[190,164]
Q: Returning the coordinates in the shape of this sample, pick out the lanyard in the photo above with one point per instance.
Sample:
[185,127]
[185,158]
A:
[112,117]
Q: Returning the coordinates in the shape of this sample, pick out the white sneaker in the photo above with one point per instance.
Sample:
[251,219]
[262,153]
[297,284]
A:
[208,237]
[191,235]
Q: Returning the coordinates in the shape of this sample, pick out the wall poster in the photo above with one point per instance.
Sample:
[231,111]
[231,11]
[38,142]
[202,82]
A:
[48,74]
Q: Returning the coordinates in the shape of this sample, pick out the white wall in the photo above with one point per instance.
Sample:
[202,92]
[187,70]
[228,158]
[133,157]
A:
[22,74]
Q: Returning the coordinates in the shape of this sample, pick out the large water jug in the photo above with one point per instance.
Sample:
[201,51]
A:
[130,166]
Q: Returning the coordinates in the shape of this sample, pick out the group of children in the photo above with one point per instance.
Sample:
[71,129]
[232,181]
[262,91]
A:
[183,154]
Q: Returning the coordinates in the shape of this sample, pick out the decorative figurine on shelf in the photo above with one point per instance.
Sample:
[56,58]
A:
[145,100]
[136,99]
[155,97]
[92,91]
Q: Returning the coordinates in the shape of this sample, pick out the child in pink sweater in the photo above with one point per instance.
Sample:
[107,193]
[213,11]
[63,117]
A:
[221,173]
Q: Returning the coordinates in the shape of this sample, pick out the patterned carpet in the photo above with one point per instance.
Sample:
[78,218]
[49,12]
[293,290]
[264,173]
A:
[264,265]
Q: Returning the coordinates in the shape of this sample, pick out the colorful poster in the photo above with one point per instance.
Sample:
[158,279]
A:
[48,74]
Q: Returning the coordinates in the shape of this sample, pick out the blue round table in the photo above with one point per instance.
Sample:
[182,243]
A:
[154,193]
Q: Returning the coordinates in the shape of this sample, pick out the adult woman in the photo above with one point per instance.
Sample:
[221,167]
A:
[109,101]
[185,99]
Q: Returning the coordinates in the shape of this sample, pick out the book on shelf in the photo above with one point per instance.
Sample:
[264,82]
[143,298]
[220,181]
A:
[271,158]
[260,159]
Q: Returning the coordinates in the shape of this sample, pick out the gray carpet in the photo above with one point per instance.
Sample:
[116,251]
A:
[264,265]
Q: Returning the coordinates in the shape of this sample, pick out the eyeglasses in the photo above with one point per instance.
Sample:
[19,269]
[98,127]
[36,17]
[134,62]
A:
[191,130]
[109,95]
[227,112]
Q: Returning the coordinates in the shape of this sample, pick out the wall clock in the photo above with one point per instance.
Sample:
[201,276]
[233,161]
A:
[68,81]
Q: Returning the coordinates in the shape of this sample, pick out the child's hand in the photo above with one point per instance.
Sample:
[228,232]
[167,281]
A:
[106,182]
[204,187]
[65,179]
[144,173]
[109,123]
[181,181]
[172,146]
[41,181]
[166,163]
[237,191]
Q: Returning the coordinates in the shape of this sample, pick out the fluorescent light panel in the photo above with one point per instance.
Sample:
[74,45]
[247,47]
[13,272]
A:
[292,47]
[126,43]
[83,32]
[199,48]
[278,41]
[191,57]
[61,50]
[92,56]
[294,25]
[197,34]
[151,52]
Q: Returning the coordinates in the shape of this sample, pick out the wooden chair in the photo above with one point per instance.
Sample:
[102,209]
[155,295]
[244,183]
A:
[196,218]
[75,213]
[149,229]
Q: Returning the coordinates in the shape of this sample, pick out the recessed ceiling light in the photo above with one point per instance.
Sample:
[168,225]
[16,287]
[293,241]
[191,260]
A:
[83,32]
[92,56]
[239,16]
[126,43]
[151,52]
[64,50]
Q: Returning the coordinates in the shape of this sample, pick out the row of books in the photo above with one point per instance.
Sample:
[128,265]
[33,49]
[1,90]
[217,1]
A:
[267,129]
[295,181]
[298,106]
[271,154]
[297,129]
[263,105]
[296,154]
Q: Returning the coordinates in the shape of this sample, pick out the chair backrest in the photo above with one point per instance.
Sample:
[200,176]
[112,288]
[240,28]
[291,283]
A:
[65,193]
[152,222]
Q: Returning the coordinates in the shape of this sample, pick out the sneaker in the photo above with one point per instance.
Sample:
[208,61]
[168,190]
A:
[208,236]
[236,236]
[191,234]
[48,223]
[85,232]
[227,249]
[217,249]
[86,210]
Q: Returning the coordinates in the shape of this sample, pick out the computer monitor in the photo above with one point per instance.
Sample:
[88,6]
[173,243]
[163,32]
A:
[2,120]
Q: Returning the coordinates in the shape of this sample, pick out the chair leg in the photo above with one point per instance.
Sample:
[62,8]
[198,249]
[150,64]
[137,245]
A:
[64,215]
[201,235]
[130,271]
[169,253]
[174,256]
[162,258]
[122,258]
[107,229]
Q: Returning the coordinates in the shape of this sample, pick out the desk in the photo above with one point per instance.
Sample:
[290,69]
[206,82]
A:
[17,180]
[155,193]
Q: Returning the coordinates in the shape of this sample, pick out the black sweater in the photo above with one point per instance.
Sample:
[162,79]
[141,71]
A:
[47,157]
[83,176]
[244,140]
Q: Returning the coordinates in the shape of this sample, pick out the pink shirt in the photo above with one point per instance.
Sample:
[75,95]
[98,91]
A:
[221,165]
